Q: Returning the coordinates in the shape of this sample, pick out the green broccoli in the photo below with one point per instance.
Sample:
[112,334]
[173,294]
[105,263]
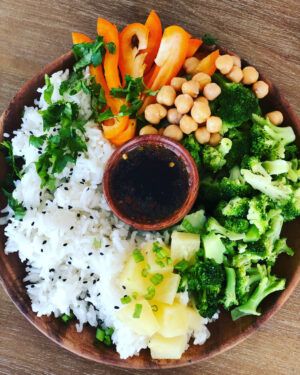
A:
[213,247]
[193,223]
[235,104]
[212,225]
[267,140]
[230,295]
[258,212]
[193,147]
[214,157]
[240,145]
[293,173]
[291,209]
[236,207]
[276,167]
[247,278]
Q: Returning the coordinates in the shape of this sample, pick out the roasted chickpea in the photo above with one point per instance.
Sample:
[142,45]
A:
[188,125]
[202,78]
[173,116]
[177,83]
[154,113]
[201,99]
[202,135]
[211,91]
[214,124]
[183,103]
[190,65]
[260,89]
[148,129]
[250,75]
[166,96]
[200,112]
[174,132]
[276,117]
[224,63]
[235,75]
[237,61]
[191,88]
[215,139]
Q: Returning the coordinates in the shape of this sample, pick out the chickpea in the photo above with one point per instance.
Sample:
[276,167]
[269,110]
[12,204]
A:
[190,65]
[148,129]
[166,95]
[235,75]
[202,78]
[174,132]
[154,113]
[191,88]
[200,112]
[276,117]
[211,91]
[177,82]
[214,124]
[183,103]
[260,89]
[201,99]
[224,63]
[188,125]
[237,61]
[250,75]
[173,116]
[202,135]
[215,139]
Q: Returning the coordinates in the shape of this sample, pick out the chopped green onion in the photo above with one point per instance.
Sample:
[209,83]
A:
[157,278]
[104,335]
[181,266]
[154,308]
[100,334]
[137,255]
[96,244]
[144,272]
[150,293]
[126,299]
[134,295]
[160,263]
[137,311]
[66,318]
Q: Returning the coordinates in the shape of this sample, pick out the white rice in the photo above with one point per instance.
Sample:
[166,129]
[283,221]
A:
[59,234]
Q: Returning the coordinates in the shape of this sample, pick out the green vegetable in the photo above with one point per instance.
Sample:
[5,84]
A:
[240,138]
[230,295]
[67,318]
[213,247]
[48,90]
[104,335]
[193,147]
[125,300]
[209,40]
[193,223]
[37,141]
[150,293]
[157,278]
[15,205]
[137,255]
[214,156]
[10,158]
[137,310]
[236,207]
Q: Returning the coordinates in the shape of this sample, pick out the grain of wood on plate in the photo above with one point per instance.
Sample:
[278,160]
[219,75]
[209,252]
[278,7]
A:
[266,35]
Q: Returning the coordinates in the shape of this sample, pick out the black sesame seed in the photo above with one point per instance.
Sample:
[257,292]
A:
[116,307]
[89,254]
[91,217]
[40,193]
[66,188]
[98,294]
[88,267]
[42,250]
[101,253]
[31,208]
[52,270]
[106,245]
[59,277]
[71,228]
[124,287]
[81,182]
[9,221]
[92,274]
[70,207]
[79,279]
[65,244]
[60,207]
[32,224]
[64,280]
[84,282]
[44,242]
[32,286]
[44,212]
[98,280]
[69,262]
[78,215]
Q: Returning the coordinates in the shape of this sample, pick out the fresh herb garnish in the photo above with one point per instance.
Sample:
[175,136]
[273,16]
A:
[125,300]
[137,310]
[67,318]
[137,255]
[150,293]
[10,158]
[157,278]
[209,40]
[15,205]
[37,141]
[104,335]
[48,90]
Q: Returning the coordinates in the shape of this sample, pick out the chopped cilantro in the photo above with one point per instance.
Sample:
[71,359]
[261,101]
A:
[37,141]
[48,90]
[15,205]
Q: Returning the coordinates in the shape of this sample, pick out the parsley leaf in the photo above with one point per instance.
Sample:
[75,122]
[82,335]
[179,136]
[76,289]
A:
[111,47]
[37,141]
[15,205]
[209,40]
[106,115]
[10,158]
[48,90]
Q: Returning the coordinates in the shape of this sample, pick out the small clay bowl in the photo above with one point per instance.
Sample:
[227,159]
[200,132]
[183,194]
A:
[154,142]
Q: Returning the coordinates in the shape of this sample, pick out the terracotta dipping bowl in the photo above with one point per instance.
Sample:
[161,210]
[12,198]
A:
[154,142]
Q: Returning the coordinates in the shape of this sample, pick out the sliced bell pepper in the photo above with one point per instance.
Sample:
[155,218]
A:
[133,38]
[169,60]
[112,130]
[126,135]
[194,45]
[153,23]
[80,38]
[208,64]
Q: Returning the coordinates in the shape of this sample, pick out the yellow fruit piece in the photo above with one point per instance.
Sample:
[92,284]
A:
[172,320]
[146,324]
[131,277]
[184,245]
[167,348]
[153,260]
[166,291]
[195,320]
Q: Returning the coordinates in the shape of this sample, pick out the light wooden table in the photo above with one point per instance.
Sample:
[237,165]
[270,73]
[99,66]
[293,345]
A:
[266,33]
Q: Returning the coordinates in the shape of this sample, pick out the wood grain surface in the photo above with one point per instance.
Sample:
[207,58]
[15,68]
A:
[32,33]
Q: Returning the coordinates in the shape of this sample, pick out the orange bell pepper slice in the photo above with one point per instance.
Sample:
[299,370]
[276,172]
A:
[153,23]
[194,45]
[126,135]
[119,125]
[78,38]
[131,62]
[169,60]
[208,64]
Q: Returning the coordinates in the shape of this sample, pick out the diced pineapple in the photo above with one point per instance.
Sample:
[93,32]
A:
[131,277]
[195,319]
[151,258]
[167,348]
[146,324]
[166,291]
[184,245]
[172,320]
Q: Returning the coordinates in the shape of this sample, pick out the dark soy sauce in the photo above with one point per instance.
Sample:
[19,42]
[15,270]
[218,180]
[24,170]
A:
[149,184]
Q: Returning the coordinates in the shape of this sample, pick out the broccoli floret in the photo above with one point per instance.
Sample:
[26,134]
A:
[212,225]
[240,145]
[266,286]
[291,152]
[293,173]
[276,167]
[291,209]
[235,104]
[193,223]
[258,212]
[230,296]
[246,279]
[193,147]
[230,247]
[233,224]
[267,140]
[214,157]
[236,207]
[213,247]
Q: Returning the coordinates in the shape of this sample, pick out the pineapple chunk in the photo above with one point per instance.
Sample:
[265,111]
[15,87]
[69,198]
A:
[132,278]
[166,291]
[152,259]
[146,324]
[167,348]
[195,319]
[184,245]
[173,320]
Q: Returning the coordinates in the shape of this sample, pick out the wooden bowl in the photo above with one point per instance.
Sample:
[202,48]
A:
[178,150]
[224,332]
